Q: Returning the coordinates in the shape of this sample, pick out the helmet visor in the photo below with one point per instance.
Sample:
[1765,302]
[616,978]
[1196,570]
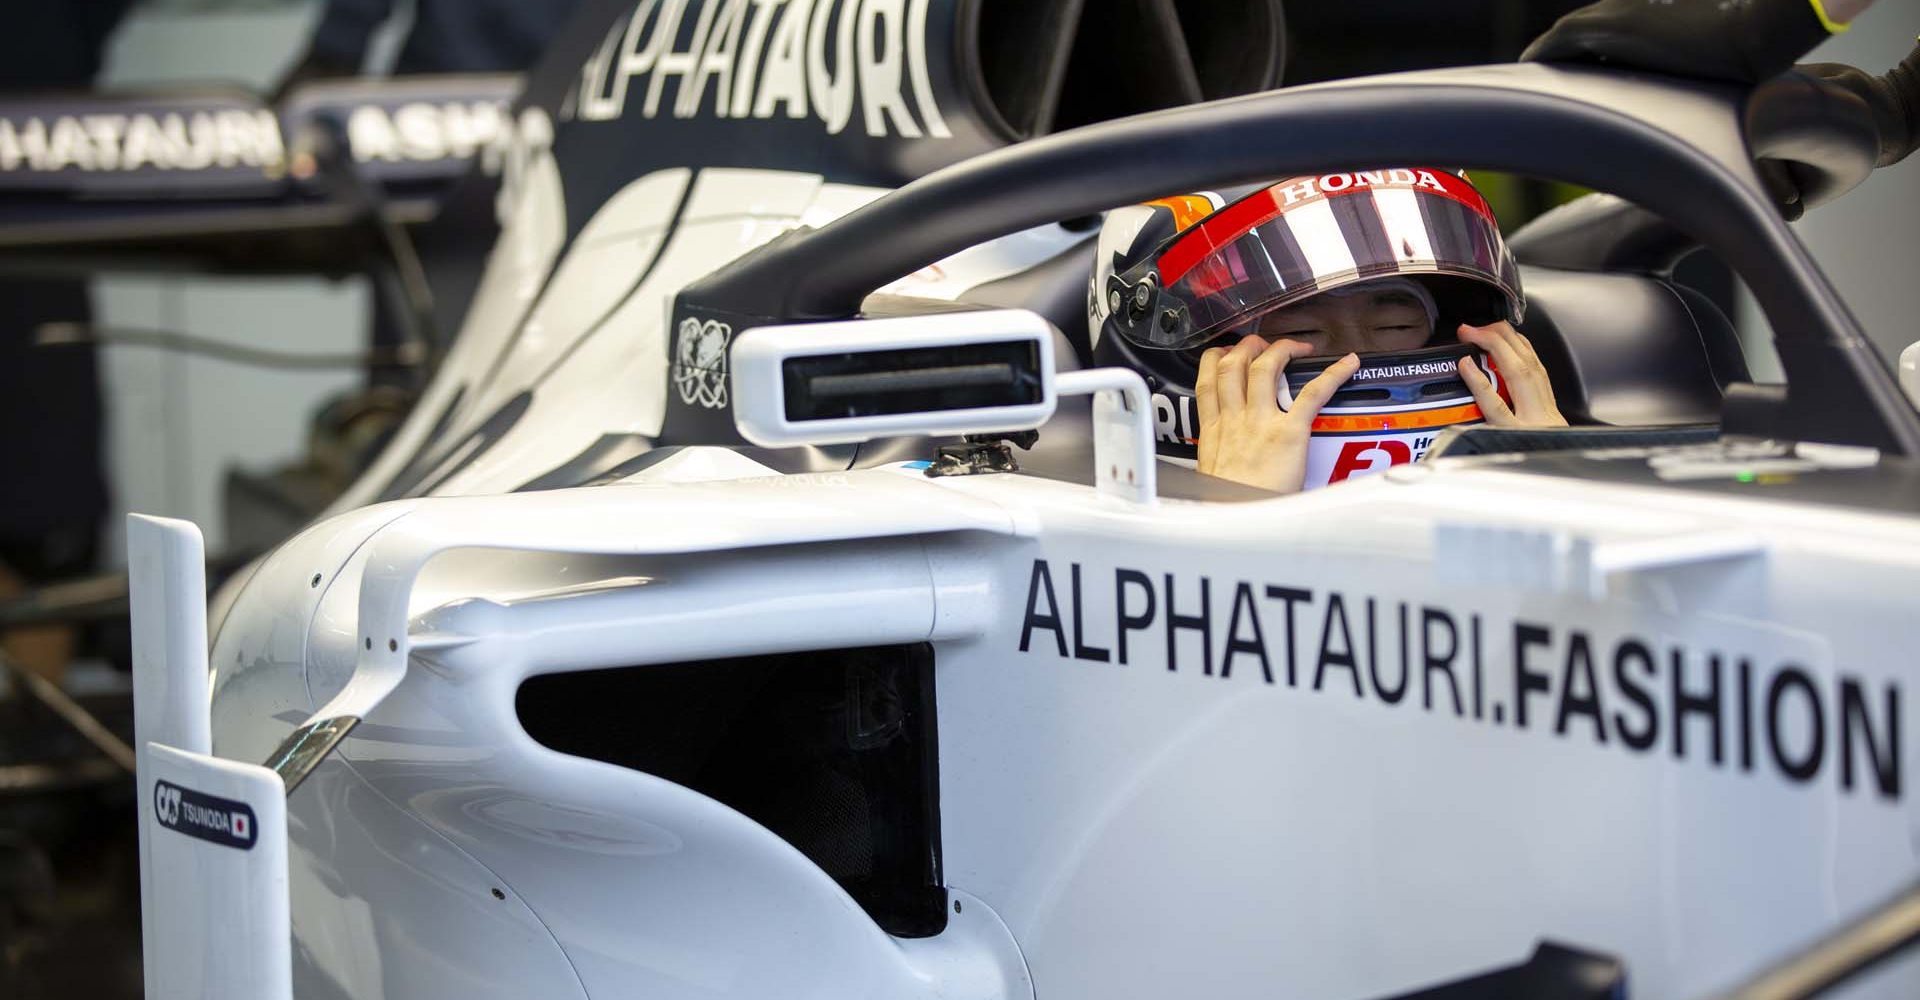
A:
[1300,237]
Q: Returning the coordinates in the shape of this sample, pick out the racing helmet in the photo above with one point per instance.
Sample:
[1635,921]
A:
[1174,276]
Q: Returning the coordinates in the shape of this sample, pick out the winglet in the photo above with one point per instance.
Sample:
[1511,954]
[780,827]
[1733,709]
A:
[214,910]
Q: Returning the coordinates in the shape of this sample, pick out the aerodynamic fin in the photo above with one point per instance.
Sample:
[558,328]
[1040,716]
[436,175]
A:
[214,910]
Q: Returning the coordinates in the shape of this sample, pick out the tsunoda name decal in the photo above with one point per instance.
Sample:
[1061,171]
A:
[226,822]
[1637,693]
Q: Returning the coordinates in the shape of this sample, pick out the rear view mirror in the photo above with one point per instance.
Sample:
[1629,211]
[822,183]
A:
[972,372]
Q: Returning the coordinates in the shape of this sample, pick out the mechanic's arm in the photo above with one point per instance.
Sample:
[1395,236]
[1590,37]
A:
[339,44]
[1893,97]
[1526,377]
[1746,41]
[1244,435]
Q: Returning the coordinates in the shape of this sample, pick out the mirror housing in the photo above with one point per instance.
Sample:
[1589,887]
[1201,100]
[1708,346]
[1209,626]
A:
[950,373]
[973,372]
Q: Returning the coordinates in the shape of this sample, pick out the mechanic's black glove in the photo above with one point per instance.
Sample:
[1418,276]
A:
[312,66]
[1744,41]
[1894,99]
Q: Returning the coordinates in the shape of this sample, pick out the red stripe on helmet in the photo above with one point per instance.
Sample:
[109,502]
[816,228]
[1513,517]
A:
[1215,231]
[1234,221]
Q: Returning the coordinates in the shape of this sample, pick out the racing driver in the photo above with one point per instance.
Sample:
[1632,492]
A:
[1249,318]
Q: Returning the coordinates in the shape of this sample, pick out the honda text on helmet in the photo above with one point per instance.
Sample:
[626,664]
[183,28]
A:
[1383,262]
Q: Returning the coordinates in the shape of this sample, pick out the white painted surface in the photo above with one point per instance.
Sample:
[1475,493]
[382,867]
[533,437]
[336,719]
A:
[1124,463]
[1139,825]
[722,923]
[759,355]
[222,928]
[166,573]
[1127,823]
[214,915]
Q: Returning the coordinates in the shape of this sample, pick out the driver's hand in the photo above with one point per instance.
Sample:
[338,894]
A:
[1244,435]
[1527,383]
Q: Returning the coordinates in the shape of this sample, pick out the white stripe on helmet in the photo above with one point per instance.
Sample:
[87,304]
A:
[1399,210]
[1320,239]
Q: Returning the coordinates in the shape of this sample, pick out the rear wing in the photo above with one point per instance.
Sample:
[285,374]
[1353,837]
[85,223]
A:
[214,912]
[222,178]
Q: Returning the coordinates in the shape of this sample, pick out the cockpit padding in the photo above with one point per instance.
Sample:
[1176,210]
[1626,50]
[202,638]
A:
[1483,440]
[1056,289]
[1622,349]
[1630,349]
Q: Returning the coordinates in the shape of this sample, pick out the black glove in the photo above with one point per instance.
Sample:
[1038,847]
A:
[312,66]
[1744,42]
[1894,99]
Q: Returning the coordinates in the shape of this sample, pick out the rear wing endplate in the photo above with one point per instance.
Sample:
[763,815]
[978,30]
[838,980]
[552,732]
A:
[214,911]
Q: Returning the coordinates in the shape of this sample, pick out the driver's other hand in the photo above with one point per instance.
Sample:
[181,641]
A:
[1244,435]
[1527,382]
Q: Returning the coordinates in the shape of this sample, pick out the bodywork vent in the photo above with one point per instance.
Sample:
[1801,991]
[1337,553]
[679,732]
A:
[836,752]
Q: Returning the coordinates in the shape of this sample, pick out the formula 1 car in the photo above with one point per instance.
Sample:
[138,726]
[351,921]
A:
[675,648]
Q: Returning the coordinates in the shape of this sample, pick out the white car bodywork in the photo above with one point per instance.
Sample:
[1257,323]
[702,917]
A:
[1349,743]
[1309,756]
